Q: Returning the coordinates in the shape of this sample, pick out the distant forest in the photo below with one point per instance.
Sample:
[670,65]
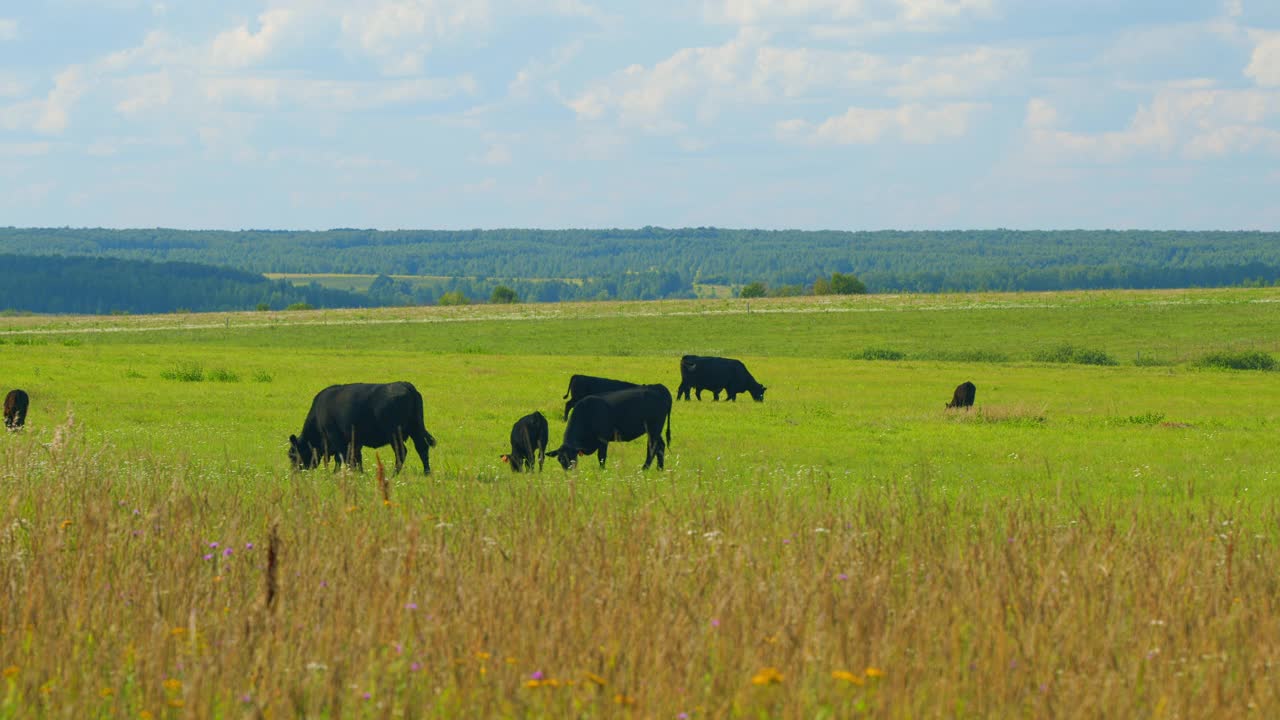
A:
[652,262]
[100,286]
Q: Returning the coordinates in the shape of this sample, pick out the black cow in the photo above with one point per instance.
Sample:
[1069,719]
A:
[345,418]
[15,409]
[963,396]
[581,386]
[617,416]
[528,435]
[699,373]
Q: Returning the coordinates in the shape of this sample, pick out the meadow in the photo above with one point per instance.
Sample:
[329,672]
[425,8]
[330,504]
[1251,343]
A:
[1090,540]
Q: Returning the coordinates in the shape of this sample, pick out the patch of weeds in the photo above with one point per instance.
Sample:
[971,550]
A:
[262,376]
[1150,361]
[1244,360]
[1073,355]
[987,356]
[72,342]
[134,374]
[1022,415]
[1149,418]
[223,375]
[29,341]
[872,353]
[188,372]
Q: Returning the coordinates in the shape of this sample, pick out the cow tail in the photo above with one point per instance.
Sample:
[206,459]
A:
[568,390]
[420,419]
[668,428]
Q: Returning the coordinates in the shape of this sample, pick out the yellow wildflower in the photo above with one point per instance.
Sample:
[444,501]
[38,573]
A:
[482,655]
[177,631]
[874,672]
[106,692]
[767,676]
[847,677]
[594,678]
[624,699]
[173,684]
[11,671]
[65,524]
[511,661]
[532,683]
[144,715]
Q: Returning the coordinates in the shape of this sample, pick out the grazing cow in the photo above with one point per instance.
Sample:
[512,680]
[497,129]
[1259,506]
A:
[529,434]
[581,386]
[620,416]
[345,418]
[963,396]
[15,409]
[715,374]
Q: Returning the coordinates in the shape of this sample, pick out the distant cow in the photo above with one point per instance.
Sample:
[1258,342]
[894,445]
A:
[716,374]
[528,435]
[581,386]
[617,416]
[963,396]
[15,409]
[345,418]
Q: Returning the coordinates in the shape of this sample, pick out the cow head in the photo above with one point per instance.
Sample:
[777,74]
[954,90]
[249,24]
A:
[514,462]
[568,456]
[757,393]
[301,455]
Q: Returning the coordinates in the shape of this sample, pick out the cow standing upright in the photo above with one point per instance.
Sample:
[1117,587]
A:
[963,395]
[717,374]
[345,418]
[15,409]
[620,415]
[528,435]
[581,386]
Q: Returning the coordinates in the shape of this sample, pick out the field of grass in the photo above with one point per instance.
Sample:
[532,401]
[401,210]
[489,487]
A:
[1090,540]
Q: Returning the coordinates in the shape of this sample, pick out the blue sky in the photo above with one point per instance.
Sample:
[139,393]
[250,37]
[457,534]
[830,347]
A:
[835,114]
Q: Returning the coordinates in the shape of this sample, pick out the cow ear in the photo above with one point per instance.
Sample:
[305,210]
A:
[553,453]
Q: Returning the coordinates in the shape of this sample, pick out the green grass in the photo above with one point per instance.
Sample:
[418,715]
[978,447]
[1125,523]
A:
[848,522]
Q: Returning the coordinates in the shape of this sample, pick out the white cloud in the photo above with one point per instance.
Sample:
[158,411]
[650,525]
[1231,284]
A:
[911,123]
[8,29]
[1041,115]
[1182,119]
[241,47]
[855,15]
[144,93]
[697,83]
[400,33]
[1264,64]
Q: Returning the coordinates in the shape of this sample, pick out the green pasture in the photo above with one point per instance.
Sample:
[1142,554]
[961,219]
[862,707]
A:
[1153,425]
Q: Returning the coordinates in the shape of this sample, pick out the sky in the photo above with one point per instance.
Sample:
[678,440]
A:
[805,114]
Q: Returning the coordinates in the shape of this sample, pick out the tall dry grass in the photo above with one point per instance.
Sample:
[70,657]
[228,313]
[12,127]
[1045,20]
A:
[612,595]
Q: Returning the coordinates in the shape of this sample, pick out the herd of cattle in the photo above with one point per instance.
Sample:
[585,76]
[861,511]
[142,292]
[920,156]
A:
[346,418]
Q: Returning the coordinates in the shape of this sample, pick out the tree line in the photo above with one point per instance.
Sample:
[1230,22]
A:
[653,262]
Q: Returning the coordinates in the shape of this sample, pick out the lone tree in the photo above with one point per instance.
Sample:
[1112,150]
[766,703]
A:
[839,284]
[753,290]
[503,295]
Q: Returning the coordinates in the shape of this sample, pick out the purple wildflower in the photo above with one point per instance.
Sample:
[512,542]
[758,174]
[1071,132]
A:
[715,622]
[842,576]
[226,553]
[248,546]
[411,606]
[209,556]
[415,667]
[213,544]
[536,675]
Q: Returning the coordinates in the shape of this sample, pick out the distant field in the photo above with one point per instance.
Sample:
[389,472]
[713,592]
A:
[1094,540]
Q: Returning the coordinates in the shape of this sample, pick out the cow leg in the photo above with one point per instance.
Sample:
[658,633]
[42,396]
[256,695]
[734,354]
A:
[401,452]
[567,407]
[603,452]
[657,449]
[357,458]
[698,393]
[731,396]
[715,395]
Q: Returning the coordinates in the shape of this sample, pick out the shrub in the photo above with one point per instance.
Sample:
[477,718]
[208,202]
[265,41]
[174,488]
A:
[753,290]
[1074,355]
[300,306]
[1245,360]
[187,372]
[223,375]
[262,376]
[503,295]
[453,298]
[882,354]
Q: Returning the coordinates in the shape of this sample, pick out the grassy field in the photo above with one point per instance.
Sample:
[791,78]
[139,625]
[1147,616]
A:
[1090,540]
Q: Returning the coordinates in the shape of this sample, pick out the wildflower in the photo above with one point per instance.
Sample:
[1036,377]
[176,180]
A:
[144,715]
[847,676]
[536,675]
[842,577]
[532,683]
[874,672]
[767,676]
[208,556]
[715,622]
[12,671]
[594,678]
[246,698]
[226,553]
[65,524]
[177,631]
[173,684]
[482,655]
[683,716]
[511,661]
[214,545]
[248,546]
[415,667]
[624,700]
[411,606]
[106,692]
[367,696]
